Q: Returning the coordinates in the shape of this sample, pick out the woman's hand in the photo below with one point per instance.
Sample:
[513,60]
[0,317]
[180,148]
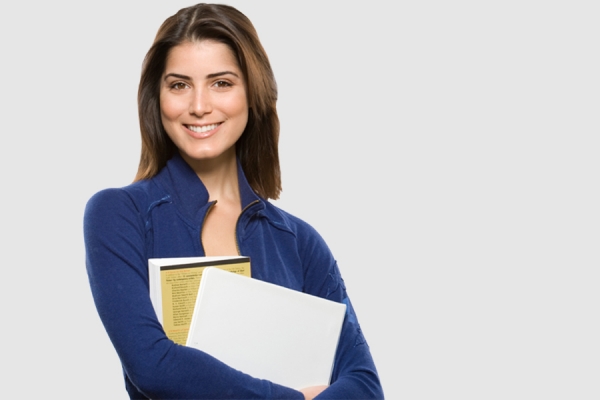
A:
[311,392]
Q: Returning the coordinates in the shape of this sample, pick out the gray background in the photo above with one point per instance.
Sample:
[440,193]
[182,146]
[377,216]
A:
[447,152]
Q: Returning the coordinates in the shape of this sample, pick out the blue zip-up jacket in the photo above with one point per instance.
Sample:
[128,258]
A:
[163,217]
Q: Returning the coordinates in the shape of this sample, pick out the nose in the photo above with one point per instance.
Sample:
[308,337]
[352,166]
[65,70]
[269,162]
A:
[200,102]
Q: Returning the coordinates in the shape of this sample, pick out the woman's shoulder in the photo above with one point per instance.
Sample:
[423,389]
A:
[310,244]
[134,196]
[290,221]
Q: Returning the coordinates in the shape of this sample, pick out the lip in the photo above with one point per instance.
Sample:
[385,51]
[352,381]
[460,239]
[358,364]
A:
[202,135]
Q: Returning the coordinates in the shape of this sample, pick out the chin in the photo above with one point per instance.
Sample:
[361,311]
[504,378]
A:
[206,154]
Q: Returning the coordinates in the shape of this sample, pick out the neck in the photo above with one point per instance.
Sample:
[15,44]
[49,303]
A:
[219,176]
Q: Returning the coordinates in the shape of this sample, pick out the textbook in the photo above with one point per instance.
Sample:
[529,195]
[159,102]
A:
[174,286]
[266,330]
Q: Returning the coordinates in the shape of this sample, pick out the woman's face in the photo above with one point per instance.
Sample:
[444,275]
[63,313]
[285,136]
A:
[203,103]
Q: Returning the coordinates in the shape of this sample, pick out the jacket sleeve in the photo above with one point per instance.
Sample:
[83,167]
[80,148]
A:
[155,366]
[354,374]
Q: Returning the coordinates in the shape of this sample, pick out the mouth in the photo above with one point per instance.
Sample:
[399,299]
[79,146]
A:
[202,129]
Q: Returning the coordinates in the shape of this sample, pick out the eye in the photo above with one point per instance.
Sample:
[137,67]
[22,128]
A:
[222,84]
[178,86]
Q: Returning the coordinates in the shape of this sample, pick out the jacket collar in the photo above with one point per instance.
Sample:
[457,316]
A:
[187,190]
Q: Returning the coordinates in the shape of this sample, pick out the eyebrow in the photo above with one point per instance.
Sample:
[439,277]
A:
[209,76]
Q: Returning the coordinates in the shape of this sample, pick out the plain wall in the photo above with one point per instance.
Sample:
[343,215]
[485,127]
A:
[446,151]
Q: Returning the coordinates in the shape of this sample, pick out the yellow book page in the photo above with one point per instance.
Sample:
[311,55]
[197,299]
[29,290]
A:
[179,291]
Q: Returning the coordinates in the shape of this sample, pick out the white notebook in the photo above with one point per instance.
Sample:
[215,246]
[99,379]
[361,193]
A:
[265,330]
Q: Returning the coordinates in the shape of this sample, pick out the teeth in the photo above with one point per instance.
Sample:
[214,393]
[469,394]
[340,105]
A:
[202,129]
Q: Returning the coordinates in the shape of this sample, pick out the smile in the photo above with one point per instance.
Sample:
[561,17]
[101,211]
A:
[202,129]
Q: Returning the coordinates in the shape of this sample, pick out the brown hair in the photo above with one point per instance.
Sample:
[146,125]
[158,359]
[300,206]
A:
[257,147]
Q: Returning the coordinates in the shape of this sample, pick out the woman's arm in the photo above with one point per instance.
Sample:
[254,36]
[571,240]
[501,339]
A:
[117,266]
[311,392]
[354,374]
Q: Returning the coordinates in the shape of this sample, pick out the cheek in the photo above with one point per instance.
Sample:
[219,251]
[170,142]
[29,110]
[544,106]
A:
[238,107]
[170,108]
[241,119]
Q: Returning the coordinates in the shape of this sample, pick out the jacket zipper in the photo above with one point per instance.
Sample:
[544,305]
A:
[237,244]
[203,222]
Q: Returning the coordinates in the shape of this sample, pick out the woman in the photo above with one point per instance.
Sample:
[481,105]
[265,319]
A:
[209,163]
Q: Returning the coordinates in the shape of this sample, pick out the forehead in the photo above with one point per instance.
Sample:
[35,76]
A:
[205,55]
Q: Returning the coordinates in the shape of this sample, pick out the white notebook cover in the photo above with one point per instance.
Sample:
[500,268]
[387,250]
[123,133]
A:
[265,330]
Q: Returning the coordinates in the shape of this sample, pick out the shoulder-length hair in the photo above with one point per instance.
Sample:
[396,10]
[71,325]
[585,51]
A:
[257,148]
